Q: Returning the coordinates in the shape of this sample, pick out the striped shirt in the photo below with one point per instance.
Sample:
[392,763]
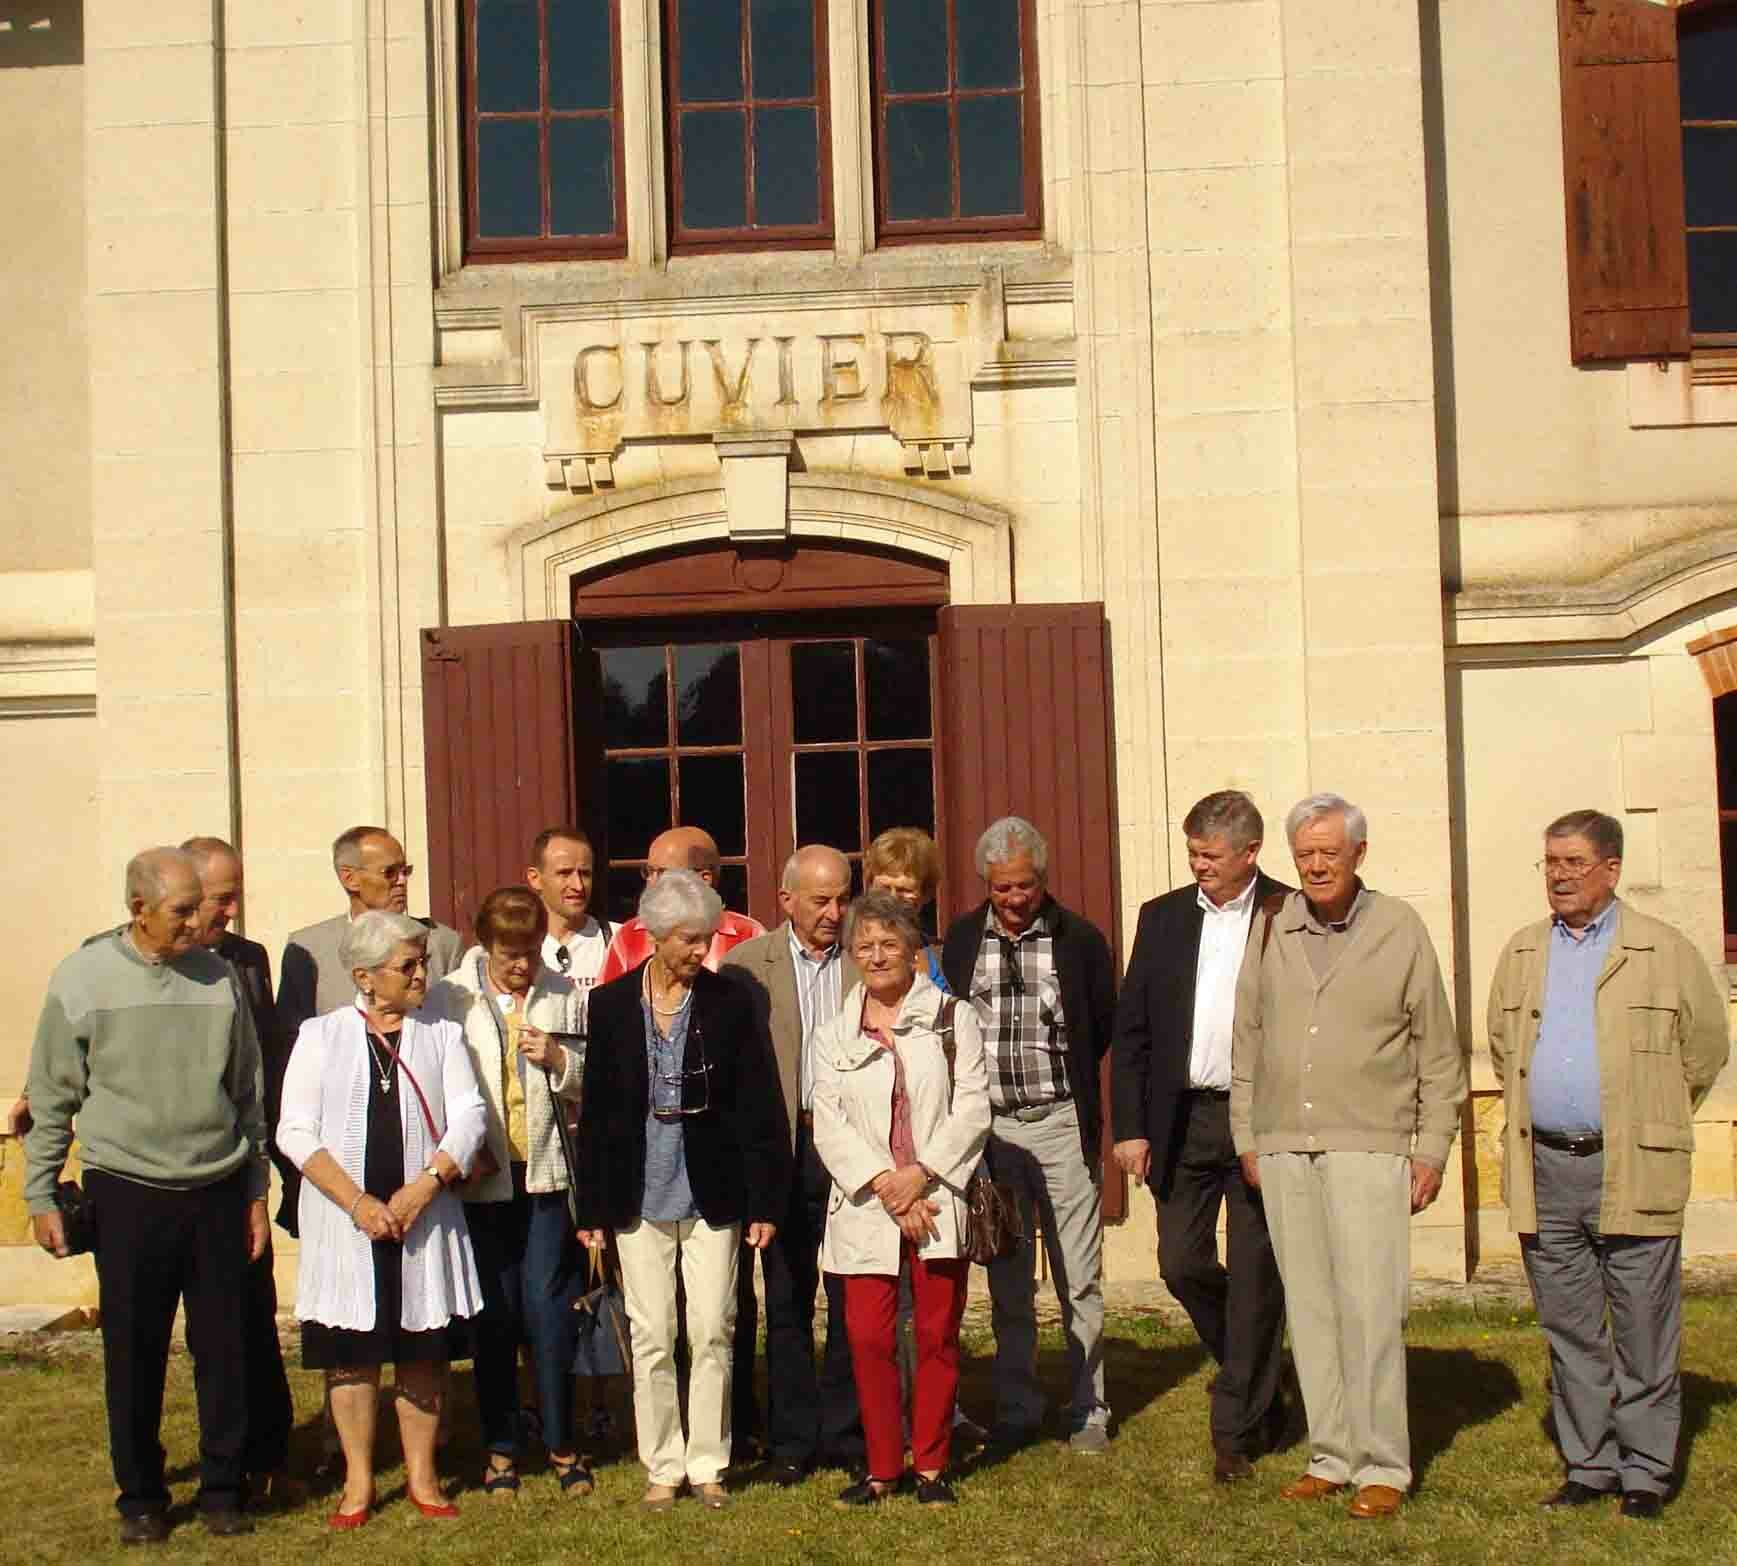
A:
[819,994]
[1017,997]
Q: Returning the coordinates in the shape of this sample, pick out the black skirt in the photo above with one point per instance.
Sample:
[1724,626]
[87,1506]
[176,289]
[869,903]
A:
[346,1348]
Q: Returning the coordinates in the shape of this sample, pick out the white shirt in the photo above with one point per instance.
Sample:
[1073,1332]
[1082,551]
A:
[585,949]
[819,994]
[1223,939]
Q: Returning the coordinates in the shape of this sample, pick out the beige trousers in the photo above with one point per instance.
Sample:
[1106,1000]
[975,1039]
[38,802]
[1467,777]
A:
[650,1253]
[1341,1228]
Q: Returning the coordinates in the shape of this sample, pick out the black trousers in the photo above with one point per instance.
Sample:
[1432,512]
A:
[745,1424]
[157,1248]
[270,1411]
[810,1417]
[1239,1312]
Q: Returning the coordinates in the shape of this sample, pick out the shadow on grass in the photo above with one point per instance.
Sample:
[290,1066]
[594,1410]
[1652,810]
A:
[1450,1391]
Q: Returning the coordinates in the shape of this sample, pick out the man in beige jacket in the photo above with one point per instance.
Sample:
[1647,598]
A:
[1347,1080]
[1606,1030]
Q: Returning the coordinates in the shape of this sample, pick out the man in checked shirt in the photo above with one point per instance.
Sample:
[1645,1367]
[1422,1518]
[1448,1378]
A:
[1044,987]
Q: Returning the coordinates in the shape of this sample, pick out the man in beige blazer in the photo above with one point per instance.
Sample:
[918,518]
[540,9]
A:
[798,977]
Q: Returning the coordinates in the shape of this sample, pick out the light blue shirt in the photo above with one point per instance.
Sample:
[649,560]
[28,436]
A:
[1565,1063]
[668,1196]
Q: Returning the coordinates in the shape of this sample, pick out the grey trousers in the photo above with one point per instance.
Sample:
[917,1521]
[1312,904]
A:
[1611,1307]
[1043,1162]
[1341,1228]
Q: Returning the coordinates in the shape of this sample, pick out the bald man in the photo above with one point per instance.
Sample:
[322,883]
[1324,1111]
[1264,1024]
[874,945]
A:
[798,976]
[680,848]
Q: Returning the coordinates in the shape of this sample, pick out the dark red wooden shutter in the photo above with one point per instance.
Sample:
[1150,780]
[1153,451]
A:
[1622,157]
[498,724]
[1026,730]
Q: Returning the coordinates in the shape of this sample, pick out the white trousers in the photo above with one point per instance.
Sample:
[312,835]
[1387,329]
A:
[1341,1228]
[650,1253]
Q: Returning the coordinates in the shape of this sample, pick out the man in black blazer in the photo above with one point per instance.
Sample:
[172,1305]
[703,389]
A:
[1043,984]
[1171,1111]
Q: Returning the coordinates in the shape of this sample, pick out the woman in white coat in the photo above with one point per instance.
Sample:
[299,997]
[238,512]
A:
[381,1113]
[901,1129]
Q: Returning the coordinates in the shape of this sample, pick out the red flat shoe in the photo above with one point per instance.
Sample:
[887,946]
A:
[445,1511]
[346,1520]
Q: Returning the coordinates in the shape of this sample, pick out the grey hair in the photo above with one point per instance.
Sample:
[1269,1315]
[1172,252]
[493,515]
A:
[1602,832]
[791,879]
[883,908]
[678,898]
[1010,836]
[1317,805]
[347,846]
[205,849]
[144,883]
[1229,811]
[369,938]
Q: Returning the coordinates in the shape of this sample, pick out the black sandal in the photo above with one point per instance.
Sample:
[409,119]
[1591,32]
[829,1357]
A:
[573,1475]
[501,1481]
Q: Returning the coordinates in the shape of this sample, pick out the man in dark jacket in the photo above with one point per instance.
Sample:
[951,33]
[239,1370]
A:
[1171,1111]
[1043,984]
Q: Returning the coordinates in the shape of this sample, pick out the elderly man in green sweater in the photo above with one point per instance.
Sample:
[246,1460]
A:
[146,1040]
[1347,1079]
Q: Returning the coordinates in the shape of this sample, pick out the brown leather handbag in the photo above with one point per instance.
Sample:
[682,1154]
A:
[993,1228]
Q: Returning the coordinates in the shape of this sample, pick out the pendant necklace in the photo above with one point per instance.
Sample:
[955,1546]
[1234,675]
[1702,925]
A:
[382,1068]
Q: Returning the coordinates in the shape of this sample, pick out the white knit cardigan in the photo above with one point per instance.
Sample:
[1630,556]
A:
[325,1105]
[555,1005]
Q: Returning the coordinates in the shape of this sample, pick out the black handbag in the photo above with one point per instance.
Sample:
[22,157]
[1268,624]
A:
[992,1227]
[77,1219]
[600,1340]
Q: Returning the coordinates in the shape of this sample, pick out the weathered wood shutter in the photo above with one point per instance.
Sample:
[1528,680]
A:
[1026,730]
[501,705]
[1622,156]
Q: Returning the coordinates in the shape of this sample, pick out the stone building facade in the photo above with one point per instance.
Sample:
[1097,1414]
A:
[1242,327]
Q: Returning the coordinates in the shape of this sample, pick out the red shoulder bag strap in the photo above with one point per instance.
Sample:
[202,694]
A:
[434,1131]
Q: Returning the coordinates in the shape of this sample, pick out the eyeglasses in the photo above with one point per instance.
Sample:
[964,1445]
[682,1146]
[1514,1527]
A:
[1575,869]
[669,1089]
[407,969]
[396,872]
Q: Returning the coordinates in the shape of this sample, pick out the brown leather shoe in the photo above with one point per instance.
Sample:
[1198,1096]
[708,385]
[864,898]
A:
[1309,1488]
[1228,1466]
[1377,1500]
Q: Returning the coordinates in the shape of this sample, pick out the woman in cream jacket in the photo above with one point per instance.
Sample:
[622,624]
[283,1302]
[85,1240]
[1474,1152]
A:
[901,1131]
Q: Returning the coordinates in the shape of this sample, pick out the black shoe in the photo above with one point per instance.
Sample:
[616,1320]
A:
[865,1492]
[935,1492]
[226,1522]
[146,1528]
[785,1475]
[1641,1503]
[1574,1493]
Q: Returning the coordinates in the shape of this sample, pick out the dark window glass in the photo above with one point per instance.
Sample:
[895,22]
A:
[1710,174]
[823,692]
[988,42]
[507,48]
[901,790]
[786,167]
[581,70]
[635,716]
[709,695]
[896,679]
[509,193]
[581,177]
[1707,64]
[711,797]
[733,886]
[827,799]
[1713,282]
[916,171]
[783,44]
[625,885]
[916,45]
[710,45]
[991,162]
[638,789]
[713,194]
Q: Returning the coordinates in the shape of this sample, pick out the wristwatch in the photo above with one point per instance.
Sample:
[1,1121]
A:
[434,1169]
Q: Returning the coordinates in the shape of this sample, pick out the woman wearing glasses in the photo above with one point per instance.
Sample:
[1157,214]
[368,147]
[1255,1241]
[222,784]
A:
[381,1114]
[520,1023]
[900,1127]
[682,1143]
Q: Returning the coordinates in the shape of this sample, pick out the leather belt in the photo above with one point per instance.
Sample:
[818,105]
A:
[1583,1146]
[805,1119]
[1223,1093]
[1031,1113]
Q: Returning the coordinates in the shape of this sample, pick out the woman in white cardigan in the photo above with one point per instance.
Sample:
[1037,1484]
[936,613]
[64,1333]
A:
[521,1024]
[381,1114]
[901,1129]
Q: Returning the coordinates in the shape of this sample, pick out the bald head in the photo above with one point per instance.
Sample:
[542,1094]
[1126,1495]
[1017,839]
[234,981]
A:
[219,869]
[813,894]
[684,848]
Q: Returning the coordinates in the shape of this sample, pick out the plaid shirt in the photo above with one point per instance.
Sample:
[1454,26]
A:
[1017,997]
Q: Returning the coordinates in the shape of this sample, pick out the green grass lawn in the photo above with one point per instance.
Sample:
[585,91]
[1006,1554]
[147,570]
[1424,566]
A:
[1477,1406]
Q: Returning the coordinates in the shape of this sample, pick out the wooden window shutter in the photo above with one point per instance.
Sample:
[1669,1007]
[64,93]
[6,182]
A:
[1622,156]
[501,707]
[1026,730]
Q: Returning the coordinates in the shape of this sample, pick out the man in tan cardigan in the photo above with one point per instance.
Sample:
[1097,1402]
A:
[1347,1080]
[1606,1030]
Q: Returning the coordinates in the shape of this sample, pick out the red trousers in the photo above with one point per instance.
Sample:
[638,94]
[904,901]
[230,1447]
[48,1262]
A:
[871,1308]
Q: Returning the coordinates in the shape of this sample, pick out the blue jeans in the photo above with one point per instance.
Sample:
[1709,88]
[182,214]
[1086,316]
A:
[526,1255]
